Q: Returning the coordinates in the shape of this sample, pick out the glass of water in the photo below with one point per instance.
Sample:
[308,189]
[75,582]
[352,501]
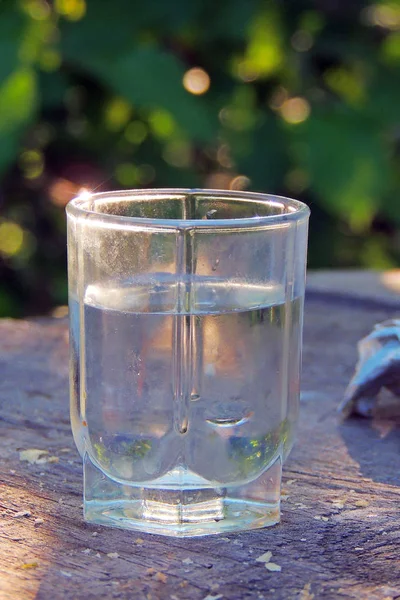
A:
[186,312]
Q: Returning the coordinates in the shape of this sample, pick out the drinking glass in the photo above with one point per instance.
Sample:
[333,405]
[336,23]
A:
[186,312]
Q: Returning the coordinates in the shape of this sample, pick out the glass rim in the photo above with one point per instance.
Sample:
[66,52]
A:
[296,210]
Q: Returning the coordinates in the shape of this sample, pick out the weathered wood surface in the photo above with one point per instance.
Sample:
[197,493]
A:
[340,528]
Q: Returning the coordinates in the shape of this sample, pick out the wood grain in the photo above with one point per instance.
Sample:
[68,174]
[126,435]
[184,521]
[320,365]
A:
[340,528]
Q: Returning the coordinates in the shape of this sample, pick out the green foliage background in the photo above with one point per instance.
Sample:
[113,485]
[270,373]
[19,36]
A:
[303,100]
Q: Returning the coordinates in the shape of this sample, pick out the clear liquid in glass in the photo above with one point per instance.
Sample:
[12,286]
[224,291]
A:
[185,395]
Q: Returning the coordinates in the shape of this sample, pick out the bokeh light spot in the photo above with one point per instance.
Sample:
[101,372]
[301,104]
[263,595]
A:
[279,96]
[224,156]
[385,15]
[117,114]
[31,163]
[37,9]
[302,41]
[136,132]
[162,124]
[196,81]
[218,181]
[127,174]
[73,10]
[312,21]
[237,118]
[297,180]
[295,110]
[240,182]
[62,191]
[50,60]
[244,71]
[146,174]
[178,153]
[11,238]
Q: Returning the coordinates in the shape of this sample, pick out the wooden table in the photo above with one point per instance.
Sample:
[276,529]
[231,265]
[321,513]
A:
[340,528]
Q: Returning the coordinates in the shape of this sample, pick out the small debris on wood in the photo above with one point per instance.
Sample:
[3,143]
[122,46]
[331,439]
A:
[161,577]
[305,593]
[31,565]
[113,555]
[187,561]
[12,472]
[213,597]
[214,586]
[338,502]
[358,548]
[139,541]
[270,566]
[95,533]
[39,521]
[361,503]
[22,513]
[291,481]
[33,456]
[86,551]
[264,558]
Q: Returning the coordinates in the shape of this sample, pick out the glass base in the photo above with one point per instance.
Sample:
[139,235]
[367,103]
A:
[192,511]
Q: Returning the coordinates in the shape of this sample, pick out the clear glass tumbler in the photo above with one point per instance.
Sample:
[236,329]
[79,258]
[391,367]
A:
[186,322]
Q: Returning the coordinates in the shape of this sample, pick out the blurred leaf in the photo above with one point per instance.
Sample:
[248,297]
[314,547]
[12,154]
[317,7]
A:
[152,78]
[383,99]
[265,161]
[53,87]
[17,108]
[102,33]
[376,254]
[348,84]
[105,33]
[230,19]
[12,29]
[391,49]
[264,53]
[348,165]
